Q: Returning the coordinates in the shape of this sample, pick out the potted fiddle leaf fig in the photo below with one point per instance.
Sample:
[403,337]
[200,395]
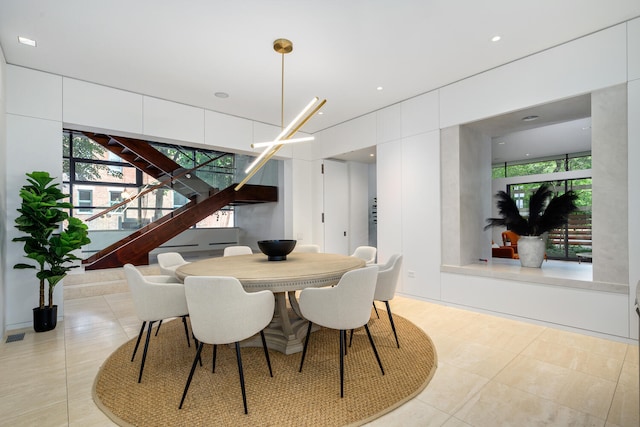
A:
[546,213]
[51,237]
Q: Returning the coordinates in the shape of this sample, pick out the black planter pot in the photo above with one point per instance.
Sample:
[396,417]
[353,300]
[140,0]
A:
[45,319]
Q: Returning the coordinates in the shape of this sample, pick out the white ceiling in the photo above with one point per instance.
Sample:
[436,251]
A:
[185,51]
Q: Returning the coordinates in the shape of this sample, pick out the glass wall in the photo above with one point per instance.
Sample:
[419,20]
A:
[576,237]
[98,179]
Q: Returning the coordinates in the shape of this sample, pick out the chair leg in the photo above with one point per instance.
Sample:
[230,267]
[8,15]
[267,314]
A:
[186,330]
[393,326]
[343,338]
[146,347]
[266,352]
[193,368]
[158,330]
[213,364]
[345,342]
[373,346]
[351,338]
[376,309]
[138,341]
[195,340]
[304,349]
[244,393]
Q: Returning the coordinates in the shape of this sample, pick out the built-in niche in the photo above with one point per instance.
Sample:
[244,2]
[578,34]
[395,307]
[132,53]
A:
[467,153]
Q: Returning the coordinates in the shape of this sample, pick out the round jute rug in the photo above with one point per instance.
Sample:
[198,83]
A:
[290,398]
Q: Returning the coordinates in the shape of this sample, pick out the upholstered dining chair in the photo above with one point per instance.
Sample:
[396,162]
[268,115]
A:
[155,298]
[367,253]
[237,250]
[386,286]
[307,248]
[169,262]
[344,306]
[221,312]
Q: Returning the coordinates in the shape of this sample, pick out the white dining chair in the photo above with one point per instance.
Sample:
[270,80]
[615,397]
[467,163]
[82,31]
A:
[155,298]
[344,306]
[169,262]
[386,286]
[221,312]
[367,253]
[237,250]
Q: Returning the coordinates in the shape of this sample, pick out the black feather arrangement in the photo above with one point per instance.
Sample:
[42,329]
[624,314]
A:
[545,212]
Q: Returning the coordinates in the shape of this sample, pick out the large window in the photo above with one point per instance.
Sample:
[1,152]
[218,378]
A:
[98,179]
[566,242]
[569,162]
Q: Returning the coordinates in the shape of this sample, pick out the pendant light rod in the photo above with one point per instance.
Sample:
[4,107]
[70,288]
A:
[283,47]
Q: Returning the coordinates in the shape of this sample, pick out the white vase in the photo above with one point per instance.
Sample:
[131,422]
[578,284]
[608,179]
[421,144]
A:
[531,251]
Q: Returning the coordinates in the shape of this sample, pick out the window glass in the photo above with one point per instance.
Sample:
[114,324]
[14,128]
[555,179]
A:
[98,179]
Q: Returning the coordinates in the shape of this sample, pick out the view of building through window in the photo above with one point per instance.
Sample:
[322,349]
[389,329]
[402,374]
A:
[576,237]
[98,179]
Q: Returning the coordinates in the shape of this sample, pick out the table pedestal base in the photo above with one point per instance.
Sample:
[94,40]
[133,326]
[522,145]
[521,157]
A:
[287,330]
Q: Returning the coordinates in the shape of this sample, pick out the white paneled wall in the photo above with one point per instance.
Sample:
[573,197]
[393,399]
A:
[227,132]
[593,62]
[420,114]
[389,184]
[633,49]
[420,215]
[170,120]
[24,133]
[29,85]
[92,106]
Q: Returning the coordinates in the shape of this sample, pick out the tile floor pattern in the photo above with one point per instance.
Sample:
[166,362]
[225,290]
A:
[492,371]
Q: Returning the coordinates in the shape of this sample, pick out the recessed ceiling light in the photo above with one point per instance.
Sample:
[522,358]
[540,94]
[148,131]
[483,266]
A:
[27,41]
[527,154]
[530,118]
[371,155]
[501,143]
[320,113]
[495,38]
[221,94]
[379,88]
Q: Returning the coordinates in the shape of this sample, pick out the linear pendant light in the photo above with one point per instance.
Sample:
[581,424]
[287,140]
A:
[283,47]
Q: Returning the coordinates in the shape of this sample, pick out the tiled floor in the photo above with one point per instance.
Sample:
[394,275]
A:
[491,371]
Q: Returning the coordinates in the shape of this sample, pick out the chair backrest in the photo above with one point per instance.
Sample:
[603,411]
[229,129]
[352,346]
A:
[511,236]
[155,297]
[307,248]
[221,312]
[344,306]
[169,261]
[388,278]
[237,250]
[367,253]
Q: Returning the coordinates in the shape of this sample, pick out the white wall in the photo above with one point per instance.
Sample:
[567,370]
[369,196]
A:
[358,205]
[3,190]
[581,66]
[39,104]
[34,136]
[633,129]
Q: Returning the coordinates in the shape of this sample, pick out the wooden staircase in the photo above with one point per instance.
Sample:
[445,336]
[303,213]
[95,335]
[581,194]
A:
[204,200]
[144,157]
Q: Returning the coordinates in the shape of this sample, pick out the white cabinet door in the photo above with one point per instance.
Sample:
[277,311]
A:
[336,207]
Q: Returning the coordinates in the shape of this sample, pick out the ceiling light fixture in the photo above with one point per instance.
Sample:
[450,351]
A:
[495,38]
[284,141]
[379,88]
[27,41]
[530,118]
[222,95]
[283,47]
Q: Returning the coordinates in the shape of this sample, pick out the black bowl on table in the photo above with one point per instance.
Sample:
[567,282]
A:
[276,250]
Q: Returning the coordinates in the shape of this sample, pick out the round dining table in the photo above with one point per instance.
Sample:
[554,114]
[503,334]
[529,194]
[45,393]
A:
[300,270]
